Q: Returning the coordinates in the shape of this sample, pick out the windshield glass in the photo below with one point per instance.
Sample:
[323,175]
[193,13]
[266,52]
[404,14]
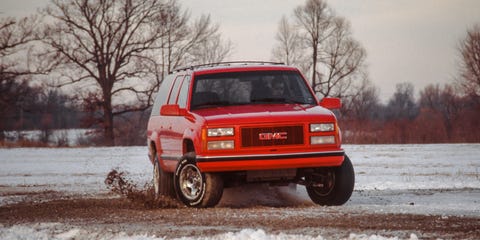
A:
[256,87]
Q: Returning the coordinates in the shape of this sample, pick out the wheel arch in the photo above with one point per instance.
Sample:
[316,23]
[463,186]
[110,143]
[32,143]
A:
[188,146]
[153,147]
[152,150]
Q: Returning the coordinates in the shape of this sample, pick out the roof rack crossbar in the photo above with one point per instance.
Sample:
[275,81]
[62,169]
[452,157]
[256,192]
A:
[226,64]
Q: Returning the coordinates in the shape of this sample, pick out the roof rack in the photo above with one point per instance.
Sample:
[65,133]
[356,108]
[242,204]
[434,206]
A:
[226,64]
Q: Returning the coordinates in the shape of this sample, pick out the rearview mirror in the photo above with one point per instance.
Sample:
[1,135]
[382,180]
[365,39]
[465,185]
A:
[331,103]
[172,110]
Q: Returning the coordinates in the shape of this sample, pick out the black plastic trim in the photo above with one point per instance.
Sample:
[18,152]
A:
[270,157]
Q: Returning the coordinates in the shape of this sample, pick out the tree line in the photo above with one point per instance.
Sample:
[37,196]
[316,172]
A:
[97,64]
[442,114]
[109,56]
[321,43]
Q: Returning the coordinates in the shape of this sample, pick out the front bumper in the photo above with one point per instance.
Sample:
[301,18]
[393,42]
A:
[270,161]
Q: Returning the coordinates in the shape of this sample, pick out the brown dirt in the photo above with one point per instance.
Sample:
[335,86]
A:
[122,215]
[133,211]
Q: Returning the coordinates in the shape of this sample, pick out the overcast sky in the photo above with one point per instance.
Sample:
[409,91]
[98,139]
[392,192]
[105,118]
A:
[406,40]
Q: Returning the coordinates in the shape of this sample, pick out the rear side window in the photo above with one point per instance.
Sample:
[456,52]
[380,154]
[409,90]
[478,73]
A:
[162,95]
[182,97]
[176,87]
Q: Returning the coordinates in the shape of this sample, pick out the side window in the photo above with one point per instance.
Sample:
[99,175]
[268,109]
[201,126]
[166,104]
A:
[162,95]
[174,93]
[182,97]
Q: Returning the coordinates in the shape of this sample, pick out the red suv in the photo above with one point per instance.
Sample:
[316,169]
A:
[222,125]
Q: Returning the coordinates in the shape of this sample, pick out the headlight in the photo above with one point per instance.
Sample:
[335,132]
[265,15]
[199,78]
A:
[322,140]
[322,127]
[220,145]
[217,132]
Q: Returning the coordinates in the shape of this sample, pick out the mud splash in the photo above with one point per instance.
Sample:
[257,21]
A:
[117,182]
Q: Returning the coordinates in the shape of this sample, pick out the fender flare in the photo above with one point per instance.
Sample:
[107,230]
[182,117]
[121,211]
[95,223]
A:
[156,148]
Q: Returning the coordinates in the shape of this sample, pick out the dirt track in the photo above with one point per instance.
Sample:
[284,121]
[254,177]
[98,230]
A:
[118,214]
[134,211]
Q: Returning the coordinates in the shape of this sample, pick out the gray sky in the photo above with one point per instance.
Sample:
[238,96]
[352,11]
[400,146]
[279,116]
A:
[406,40]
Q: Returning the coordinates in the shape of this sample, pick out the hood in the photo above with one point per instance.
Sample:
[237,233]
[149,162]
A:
[265,113]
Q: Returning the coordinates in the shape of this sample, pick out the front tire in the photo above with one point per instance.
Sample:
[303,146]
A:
[331,186]
[195,188]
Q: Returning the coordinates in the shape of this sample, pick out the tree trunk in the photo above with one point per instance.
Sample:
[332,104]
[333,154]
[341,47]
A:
[109,138]
[314,66]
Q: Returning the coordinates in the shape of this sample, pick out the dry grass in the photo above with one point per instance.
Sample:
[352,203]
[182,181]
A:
[23,143]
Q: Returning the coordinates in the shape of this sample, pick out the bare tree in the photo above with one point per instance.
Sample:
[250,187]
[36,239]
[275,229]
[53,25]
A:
[402,105]
[183,41]
[288,48]
[430,97]
[400,111]
[15,35]
[336,59]
[105,44]
[470,82]
[342,59]
[360,114]
[214,49]
[446,102]
[470,65]
[114,54]
[315,20]
[364,105]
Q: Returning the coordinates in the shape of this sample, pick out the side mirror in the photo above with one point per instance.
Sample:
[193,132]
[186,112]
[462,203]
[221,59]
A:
[172,110]
[331,103]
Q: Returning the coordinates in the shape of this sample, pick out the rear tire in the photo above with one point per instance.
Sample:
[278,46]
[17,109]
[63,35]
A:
[331,186]
[194,188]
[162,181]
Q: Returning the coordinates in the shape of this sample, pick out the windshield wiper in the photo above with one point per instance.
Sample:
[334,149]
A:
[278,100]
[296,101]
[268,100]
[211,104]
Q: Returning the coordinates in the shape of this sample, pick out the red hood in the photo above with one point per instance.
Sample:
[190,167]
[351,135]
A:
[271,113]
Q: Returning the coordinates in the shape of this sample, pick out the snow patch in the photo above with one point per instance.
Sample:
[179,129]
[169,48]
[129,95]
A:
[47,231]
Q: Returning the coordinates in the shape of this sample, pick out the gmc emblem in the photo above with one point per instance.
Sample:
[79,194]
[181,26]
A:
[272,136]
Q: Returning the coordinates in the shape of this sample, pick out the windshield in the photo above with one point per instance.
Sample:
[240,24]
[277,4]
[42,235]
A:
[256,87]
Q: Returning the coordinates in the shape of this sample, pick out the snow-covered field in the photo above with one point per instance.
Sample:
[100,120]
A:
[441,179]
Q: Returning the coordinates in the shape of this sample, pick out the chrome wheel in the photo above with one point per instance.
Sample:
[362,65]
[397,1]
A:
[190,182]
[195,188]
